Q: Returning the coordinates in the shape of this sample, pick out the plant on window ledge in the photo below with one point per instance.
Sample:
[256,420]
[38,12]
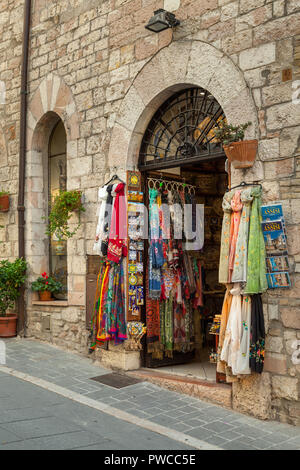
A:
[241,153]
[46,286]
[65,204]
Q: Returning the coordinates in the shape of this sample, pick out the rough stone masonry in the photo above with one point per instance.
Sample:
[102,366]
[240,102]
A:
[95,66]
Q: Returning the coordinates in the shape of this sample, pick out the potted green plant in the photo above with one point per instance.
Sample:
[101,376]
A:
[240,153]
[4,201]
[46,286]
[65,204]
[12,277]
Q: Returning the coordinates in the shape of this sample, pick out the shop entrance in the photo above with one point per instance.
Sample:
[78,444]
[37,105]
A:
[181,159]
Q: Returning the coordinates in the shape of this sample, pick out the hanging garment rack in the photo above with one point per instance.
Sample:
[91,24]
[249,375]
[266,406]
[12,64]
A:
[242,185]
[154,183]
[114,178]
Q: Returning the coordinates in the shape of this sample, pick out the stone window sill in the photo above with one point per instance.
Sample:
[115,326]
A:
[52,303]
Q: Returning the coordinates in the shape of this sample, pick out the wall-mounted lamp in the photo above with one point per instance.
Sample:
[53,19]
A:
[162,20]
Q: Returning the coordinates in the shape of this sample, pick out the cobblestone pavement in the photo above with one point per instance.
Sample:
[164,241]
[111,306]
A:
[209,423]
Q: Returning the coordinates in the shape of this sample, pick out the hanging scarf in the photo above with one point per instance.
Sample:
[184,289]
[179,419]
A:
[256,272]
[221,365]
[155,282]
[224,252]
[233,330]
[243,364]
[117,246]
[117,328]
[236,207]
[179,327]
[107,219]
[95,316]
[198,300]
[168,326]
[156,244]
[257,338]
[241,253]
[189,273]
[101,322]
[102,197]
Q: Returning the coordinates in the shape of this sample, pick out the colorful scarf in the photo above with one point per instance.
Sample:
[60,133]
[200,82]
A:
[224,253]
[117,323]
[241,253]
[156,243]
[236,207]
[257,338]
[117,246]
[94,321]
[256,272]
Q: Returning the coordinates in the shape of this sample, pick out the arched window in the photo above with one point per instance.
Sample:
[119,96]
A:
[57,178]
[181,131]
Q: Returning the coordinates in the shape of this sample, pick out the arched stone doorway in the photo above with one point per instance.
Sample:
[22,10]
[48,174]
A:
[181,65]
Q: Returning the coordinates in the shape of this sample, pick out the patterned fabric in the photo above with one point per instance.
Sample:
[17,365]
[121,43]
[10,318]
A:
[257,338]
[94,321]
[155,282]
[101,322]
[118,330]
[117,246]
[233,332]
[241,253]
[243,367]
[224,252]
[156,244]
[236,207]
[168,323]
[153,323]
[221,365]
[256,274]
[169,281]
[198,300]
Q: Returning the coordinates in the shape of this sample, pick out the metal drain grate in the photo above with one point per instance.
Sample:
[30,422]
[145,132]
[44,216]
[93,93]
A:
[116,380]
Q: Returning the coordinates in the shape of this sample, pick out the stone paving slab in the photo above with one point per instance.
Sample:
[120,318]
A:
[210,423]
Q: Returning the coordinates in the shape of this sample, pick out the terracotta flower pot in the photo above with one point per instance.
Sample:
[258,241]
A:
[8,326]
[45,296]
[241,154]
[4,203]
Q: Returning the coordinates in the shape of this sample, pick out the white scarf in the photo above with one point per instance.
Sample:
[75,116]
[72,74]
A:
[102,196]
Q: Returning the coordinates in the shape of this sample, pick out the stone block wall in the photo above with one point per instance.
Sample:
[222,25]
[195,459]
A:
[95,66]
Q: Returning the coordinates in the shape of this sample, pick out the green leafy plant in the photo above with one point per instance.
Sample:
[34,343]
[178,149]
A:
[4,193]
[63,207]
[46,284]
[226,133]
[12,277]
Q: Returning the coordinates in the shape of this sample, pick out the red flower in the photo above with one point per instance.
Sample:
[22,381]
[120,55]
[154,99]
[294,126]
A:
[44,274]
[47,283]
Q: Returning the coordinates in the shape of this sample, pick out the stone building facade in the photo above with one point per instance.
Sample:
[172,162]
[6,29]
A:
[95,66]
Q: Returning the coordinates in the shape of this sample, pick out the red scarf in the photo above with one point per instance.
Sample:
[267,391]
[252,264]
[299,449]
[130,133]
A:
[116,245]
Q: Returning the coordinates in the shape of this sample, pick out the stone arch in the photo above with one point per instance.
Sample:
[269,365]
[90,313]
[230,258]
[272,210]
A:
[53,96]
[52,101]
[180,65]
